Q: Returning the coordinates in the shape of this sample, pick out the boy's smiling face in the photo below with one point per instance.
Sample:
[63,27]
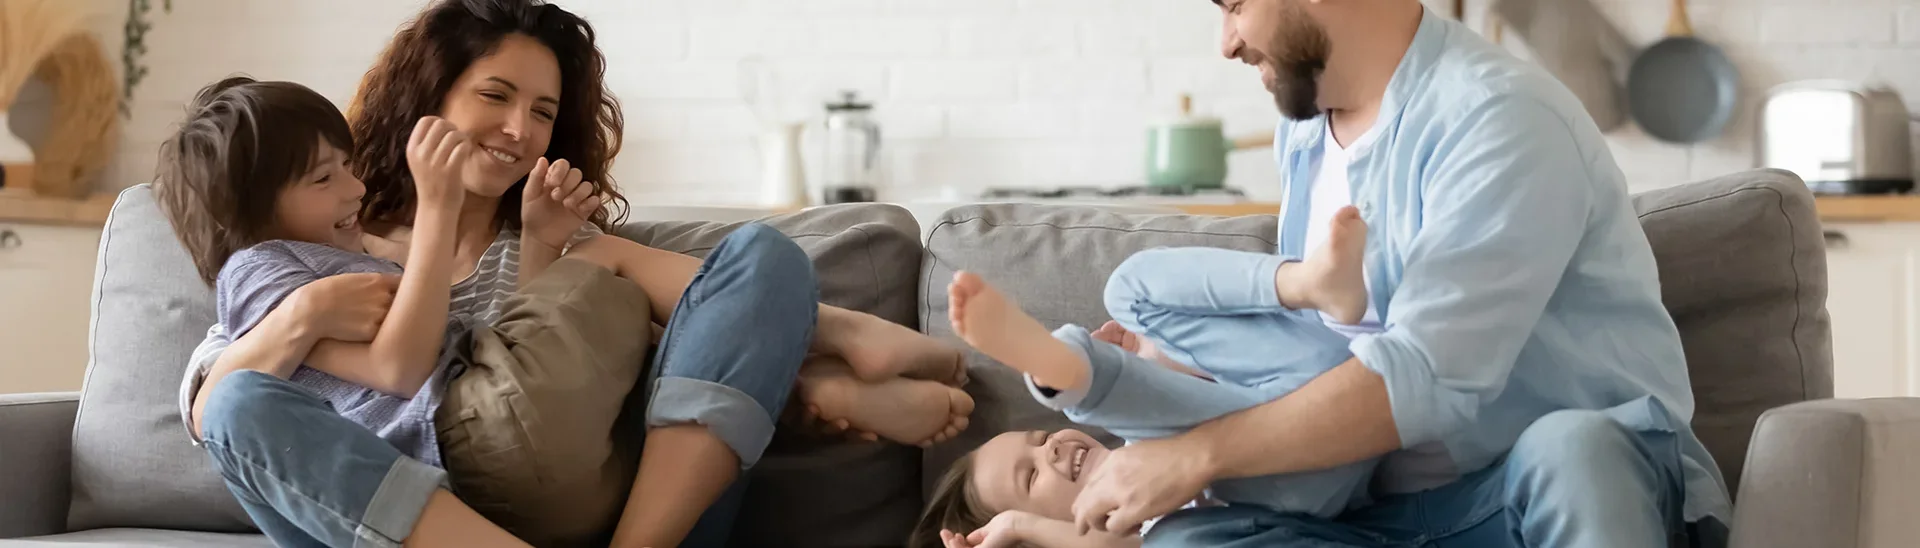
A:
[323,205]
[1035,472]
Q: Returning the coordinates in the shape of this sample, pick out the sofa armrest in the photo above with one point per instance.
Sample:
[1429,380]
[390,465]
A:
[1842,473]
[36,450]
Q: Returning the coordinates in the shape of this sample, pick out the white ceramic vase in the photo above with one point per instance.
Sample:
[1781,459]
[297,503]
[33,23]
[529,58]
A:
[12,149]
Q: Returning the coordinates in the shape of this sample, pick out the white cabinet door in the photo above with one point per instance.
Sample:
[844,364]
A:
[1871,279]
[46,279]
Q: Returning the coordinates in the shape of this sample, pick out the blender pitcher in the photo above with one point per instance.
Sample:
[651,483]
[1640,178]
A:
[852,151]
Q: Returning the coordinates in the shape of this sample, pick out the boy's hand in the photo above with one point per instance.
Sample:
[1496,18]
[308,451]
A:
[556,202]
[437,153]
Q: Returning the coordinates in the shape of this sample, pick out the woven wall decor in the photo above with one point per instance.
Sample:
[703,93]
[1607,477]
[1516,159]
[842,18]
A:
[47,39]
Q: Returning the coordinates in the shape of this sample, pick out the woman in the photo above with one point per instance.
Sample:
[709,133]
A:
[524,80]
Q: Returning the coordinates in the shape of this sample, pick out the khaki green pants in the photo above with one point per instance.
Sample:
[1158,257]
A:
[537,434]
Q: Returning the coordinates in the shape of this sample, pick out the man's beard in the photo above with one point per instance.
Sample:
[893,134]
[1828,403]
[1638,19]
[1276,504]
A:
[1300,54]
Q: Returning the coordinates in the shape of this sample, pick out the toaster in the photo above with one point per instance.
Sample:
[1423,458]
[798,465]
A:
[1839,137]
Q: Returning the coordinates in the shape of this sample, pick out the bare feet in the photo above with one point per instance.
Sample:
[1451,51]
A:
[984,318]
[1331,279]
[880,350]
[912,412]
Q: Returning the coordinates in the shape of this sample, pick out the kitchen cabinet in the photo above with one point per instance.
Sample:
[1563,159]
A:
[1873,275]
[46,281]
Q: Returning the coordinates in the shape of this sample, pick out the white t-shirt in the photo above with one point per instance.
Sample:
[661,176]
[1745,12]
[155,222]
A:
[1330,193]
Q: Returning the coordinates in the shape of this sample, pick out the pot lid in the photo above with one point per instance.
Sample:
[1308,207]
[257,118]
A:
[849,101]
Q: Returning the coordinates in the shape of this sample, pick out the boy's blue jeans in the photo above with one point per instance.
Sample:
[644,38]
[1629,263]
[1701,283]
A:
[1574,478]
[310,477]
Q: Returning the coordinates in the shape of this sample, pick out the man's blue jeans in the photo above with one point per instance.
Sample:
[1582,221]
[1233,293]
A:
[310,477]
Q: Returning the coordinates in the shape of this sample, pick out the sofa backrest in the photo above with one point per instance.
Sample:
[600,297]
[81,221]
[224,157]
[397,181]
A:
[1743,271]
[1741,259]
[132,463]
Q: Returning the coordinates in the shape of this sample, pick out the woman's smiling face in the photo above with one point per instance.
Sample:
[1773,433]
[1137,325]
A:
[507,102]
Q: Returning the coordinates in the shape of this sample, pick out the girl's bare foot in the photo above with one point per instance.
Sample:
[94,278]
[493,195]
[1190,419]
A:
[1332,279]
[983,317]
[912,412]
[879,350]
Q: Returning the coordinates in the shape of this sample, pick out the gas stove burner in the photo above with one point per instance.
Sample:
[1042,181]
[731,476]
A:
[1067,193]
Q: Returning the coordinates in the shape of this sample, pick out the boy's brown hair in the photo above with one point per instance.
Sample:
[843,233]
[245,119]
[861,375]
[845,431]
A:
[243,141]
[954,506]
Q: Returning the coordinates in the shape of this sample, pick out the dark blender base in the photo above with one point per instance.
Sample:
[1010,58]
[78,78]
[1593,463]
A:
[848,195]
[1862,186]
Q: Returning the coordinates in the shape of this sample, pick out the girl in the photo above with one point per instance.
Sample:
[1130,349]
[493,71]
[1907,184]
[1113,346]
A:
[1020,486]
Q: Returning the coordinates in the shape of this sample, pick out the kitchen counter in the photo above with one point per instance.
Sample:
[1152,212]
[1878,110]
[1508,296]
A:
[1833,209]
[21,206]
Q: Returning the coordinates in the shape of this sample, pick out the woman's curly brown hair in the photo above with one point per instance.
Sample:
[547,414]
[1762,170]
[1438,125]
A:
[419,67]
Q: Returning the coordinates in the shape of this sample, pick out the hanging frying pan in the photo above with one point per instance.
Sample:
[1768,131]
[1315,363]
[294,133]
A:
[1682,89]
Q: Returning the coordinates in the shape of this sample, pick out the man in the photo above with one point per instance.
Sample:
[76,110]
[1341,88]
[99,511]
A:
[1517,374]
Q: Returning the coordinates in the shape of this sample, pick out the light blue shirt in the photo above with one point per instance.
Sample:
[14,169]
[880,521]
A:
[1507,263]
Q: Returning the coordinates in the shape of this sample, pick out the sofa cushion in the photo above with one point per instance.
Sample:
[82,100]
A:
[141,538]
[1054,260]
[809,491]
[132,463]
[1743,271]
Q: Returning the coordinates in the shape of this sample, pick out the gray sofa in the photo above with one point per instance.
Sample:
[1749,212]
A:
[1741,262]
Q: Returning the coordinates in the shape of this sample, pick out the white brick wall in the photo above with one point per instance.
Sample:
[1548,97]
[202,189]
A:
[972,93]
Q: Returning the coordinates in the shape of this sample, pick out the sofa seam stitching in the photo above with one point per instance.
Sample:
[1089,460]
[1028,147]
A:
[991,223]
[873,267]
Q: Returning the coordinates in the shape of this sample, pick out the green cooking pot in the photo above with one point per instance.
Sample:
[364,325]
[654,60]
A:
[1187,153]
[1190,152]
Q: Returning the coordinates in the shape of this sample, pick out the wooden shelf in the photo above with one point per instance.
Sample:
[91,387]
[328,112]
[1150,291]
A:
[1868,209]
[1833,209]
[22,206]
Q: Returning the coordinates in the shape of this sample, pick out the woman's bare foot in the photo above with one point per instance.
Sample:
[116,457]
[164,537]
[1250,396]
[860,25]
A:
[908,411]
[1332,279]
[880,350]
[983,317]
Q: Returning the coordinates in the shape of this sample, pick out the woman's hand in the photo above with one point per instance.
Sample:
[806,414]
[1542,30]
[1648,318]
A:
[556,202]
[347,307]
[437,153]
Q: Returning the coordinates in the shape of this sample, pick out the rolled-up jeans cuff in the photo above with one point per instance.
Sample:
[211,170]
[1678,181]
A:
[396,507]
[730,414]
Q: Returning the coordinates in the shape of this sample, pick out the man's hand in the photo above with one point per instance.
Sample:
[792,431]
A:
[347,307]
[555,202]
[1141,482]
